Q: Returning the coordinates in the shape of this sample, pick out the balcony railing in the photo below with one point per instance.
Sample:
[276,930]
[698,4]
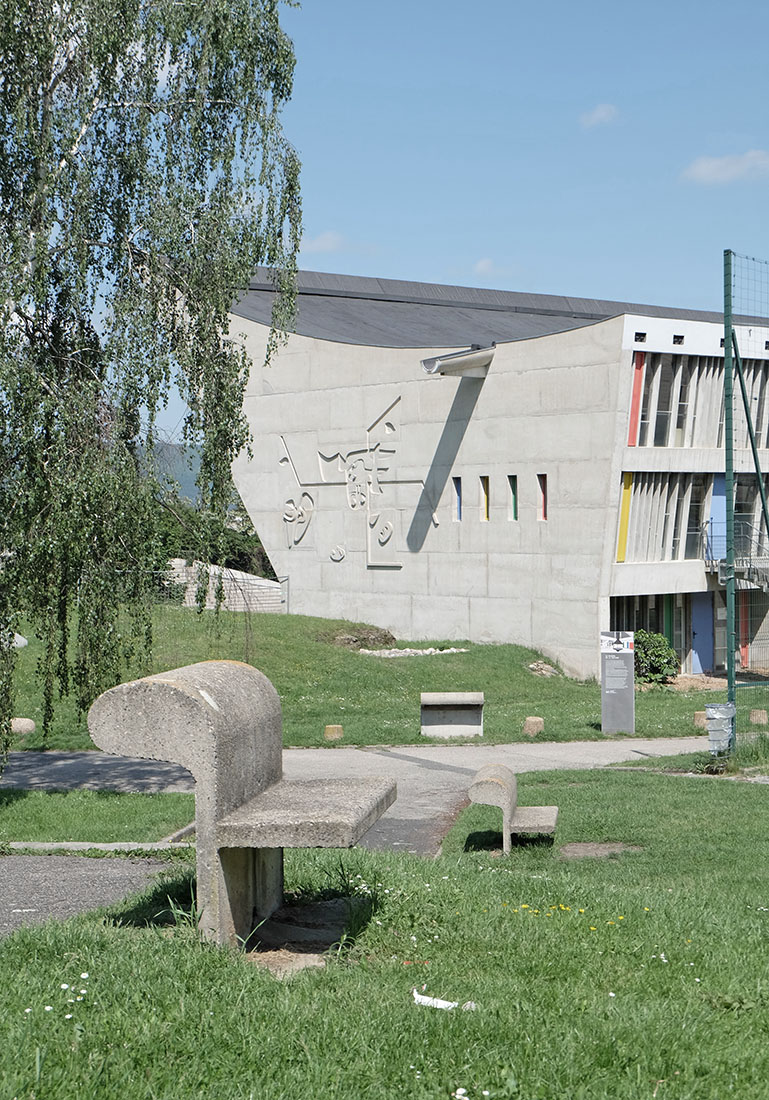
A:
[751,552]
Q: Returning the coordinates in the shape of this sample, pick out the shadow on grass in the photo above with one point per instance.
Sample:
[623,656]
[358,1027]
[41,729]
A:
[7,798]
[488,840]
[169,902]
[308,921]
[313,927]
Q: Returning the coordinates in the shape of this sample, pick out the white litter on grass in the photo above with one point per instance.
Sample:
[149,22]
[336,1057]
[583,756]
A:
[436,1002]
[430,652]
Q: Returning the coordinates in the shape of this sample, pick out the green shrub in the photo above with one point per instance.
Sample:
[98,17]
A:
[656,661]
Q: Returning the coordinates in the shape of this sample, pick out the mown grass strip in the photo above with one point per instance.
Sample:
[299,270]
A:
[101,816]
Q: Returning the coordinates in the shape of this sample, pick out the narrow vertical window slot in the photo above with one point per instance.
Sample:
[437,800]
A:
[457,499]
[512,481]
[664,401]
[651,374]
[484,498]
[682,417]
[542,479]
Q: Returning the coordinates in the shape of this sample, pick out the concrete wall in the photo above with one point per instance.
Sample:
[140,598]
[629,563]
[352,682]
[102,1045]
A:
[242,591]
[351,486]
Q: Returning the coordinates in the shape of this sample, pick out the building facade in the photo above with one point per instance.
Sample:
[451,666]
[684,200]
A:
[456,463]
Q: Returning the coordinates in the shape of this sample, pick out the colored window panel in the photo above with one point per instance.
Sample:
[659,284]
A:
[484,498]
[635,401]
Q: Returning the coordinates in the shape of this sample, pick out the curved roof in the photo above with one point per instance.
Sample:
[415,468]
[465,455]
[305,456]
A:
[394,313]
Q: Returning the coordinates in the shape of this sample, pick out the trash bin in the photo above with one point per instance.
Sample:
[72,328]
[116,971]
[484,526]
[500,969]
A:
[719,718]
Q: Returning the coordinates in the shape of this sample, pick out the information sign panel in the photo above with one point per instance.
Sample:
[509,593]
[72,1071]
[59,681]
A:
[617,682]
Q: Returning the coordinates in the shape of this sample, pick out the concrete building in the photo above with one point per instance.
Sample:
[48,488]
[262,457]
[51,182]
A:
[504,467]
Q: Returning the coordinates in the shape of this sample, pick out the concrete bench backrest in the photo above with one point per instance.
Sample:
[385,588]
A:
[496,785]
[219,719]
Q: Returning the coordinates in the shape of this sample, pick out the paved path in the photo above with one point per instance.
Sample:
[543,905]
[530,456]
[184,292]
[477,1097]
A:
[35,888]
[432,784]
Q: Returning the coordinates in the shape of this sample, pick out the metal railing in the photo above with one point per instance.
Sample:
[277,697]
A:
[751,552]
[750,541]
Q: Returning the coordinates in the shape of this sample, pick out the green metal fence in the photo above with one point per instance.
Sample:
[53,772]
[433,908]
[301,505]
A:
[746,300]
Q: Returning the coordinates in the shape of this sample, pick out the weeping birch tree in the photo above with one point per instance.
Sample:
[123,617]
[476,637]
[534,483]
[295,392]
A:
[143,176]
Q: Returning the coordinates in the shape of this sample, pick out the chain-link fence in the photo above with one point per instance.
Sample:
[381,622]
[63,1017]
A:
[752,716]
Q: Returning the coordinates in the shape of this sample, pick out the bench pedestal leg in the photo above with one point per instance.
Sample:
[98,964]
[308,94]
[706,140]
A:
[250,890]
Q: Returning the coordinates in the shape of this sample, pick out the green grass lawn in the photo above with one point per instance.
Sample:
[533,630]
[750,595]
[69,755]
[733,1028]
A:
[642,976]
[375,700]
[100,816]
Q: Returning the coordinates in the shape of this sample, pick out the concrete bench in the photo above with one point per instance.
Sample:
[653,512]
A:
[496,785]
[222,721]
[452,713]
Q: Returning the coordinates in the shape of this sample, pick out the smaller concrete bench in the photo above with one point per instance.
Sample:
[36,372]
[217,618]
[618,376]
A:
[452,714]
[496,785]
[222,721]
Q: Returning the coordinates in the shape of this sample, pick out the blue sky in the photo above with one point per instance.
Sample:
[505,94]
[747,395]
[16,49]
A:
[599,149]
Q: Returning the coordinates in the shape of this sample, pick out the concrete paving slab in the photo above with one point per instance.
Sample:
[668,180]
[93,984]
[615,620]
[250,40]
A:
[433,779]
[36,888]
[93,771]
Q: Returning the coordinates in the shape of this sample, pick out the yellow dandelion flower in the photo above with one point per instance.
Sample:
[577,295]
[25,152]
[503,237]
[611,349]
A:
[620,918]
[610,922]
[524,907]
[593,928]
[582,910]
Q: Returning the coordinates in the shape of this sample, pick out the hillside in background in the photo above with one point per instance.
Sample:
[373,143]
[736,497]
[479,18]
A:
[178,463]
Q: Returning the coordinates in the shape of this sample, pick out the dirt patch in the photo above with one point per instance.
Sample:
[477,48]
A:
[592,850]
[297,936]
[365,637]
[284,963]
[699,683]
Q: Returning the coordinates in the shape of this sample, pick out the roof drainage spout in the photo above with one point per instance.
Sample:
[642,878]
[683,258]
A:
[473,363]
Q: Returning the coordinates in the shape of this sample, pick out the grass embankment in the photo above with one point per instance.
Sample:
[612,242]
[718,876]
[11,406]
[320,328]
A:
[375,700]
[641,976]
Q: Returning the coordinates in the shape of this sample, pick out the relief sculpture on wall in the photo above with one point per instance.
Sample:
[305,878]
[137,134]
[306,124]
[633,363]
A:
[296,517]
[370,483]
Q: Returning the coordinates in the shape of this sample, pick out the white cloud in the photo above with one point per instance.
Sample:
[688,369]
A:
[328,241]
[486,268]
[753,165]
[599,116]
